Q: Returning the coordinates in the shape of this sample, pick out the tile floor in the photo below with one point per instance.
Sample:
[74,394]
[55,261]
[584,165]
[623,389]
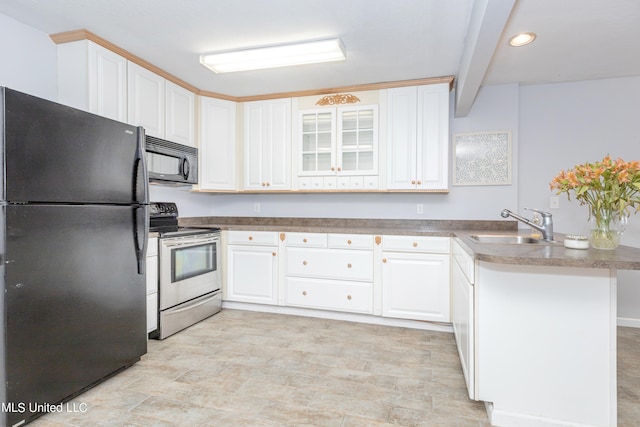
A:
[242,368]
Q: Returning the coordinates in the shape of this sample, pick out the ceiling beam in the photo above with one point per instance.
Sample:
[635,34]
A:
[486,24]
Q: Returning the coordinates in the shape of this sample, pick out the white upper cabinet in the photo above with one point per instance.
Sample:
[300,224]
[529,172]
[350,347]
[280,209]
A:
[338,148]
[267,145]
[418,138]
[93,79]
[217,144]
[146,103]
[180,114]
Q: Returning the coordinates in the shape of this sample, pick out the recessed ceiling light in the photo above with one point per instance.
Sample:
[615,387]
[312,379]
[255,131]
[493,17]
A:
[522,39]
[275,56]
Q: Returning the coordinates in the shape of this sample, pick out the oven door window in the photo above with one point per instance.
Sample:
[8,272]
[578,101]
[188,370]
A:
[192,261]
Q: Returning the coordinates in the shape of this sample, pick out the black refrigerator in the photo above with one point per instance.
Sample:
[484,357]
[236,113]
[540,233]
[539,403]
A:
[73,236]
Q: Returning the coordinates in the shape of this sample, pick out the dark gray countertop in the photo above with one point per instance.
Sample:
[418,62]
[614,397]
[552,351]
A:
[545,254]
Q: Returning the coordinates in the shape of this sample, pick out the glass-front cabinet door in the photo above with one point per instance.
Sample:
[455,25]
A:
[338,148]
[358,140]
[318,153]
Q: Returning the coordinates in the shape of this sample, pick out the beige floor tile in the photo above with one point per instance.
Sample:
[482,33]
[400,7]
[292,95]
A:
[254,369]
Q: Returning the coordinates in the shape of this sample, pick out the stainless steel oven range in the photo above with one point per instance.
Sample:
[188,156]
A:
[189,271]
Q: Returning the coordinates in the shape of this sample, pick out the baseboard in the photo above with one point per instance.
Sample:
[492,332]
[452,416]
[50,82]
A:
[335,315]
[628,322]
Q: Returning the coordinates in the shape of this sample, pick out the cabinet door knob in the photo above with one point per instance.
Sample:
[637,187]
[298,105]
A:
[348,242]
[304,293]
[333,169]
[349,297]
[304,262]
[413,181]
[273,253]
[349,265]
[263,184]
[269,184]
[339,169]
[250,237]
[415,244]
[304,240]
[419,182]
[384,260]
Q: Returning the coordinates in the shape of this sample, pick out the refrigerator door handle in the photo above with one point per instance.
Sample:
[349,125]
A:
[141,233]
[140,173]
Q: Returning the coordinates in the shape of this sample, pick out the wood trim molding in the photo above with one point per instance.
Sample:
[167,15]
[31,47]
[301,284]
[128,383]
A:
[77,35]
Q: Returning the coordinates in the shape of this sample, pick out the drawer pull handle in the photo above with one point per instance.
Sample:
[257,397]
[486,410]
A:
[304,240]
[273,253]
[384,260]
[250,237]
[304,293]
[304,262]
[348,242]
[349,265]
[415,244]
[349,297]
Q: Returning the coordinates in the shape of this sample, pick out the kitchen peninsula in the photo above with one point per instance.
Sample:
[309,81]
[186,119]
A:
[535,324]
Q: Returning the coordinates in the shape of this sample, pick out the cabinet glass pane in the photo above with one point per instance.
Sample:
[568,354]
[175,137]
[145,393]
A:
[308,143]
[308,162]
[365,119]
[349,140]
[324,162]
[365,161]
[309,123]
[324,122]
[324,141]
[350,161]
[350,120]
[365,139]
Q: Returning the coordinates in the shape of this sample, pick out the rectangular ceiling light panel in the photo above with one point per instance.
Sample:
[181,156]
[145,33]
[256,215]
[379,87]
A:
[275,56]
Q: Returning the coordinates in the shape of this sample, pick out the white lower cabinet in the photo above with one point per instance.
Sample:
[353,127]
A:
[252,267]
[462,312]
[152,284]
[332,272]
[415,278]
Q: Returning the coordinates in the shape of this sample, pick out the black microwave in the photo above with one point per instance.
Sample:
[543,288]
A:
[171,163]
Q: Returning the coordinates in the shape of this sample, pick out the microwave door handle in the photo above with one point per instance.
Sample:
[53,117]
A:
[140,172]
[185,168]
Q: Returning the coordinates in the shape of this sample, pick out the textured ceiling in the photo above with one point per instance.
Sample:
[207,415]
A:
[386,40]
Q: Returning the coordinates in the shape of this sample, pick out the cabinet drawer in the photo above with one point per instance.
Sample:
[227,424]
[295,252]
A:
[416,244]
[330,294]
[310,240]
[263,238]
[350,241]
[464,260]
[330,263]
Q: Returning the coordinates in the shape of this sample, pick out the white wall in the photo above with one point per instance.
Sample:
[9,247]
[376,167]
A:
[28,59]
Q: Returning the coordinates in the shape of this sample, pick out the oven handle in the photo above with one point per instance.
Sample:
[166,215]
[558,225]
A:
[193,304]
[170,243]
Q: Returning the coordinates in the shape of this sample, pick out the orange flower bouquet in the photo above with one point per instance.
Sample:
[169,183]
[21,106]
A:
[611,190]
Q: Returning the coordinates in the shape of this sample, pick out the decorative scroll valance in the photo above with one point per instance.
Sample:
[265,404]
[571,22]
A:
[340,98]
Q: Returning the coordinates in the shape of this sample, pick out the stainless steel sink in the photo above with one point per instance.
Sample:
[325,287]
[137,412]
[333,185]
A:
[508,239]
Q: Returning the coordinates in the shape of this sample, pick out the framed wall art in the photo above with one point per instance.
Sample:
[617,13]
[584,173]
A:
[482,158]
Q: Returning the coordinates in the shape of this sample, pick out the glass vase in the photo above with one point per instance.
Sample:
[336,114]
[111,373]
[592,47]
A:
[606,230]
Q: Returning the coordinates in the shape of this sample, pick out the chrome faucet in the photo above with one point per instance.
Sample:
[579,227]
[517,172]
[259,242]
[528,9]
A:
[547,222]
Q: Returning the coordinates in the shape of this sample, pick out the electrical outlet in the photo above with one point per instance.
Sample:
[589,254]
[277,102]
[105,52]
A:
[554,202]
[419,208]
[256,207]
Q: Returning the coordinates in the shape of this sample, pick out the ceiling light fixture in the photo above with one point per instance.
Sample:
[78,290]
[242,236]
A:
[522,39]
[275,56]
